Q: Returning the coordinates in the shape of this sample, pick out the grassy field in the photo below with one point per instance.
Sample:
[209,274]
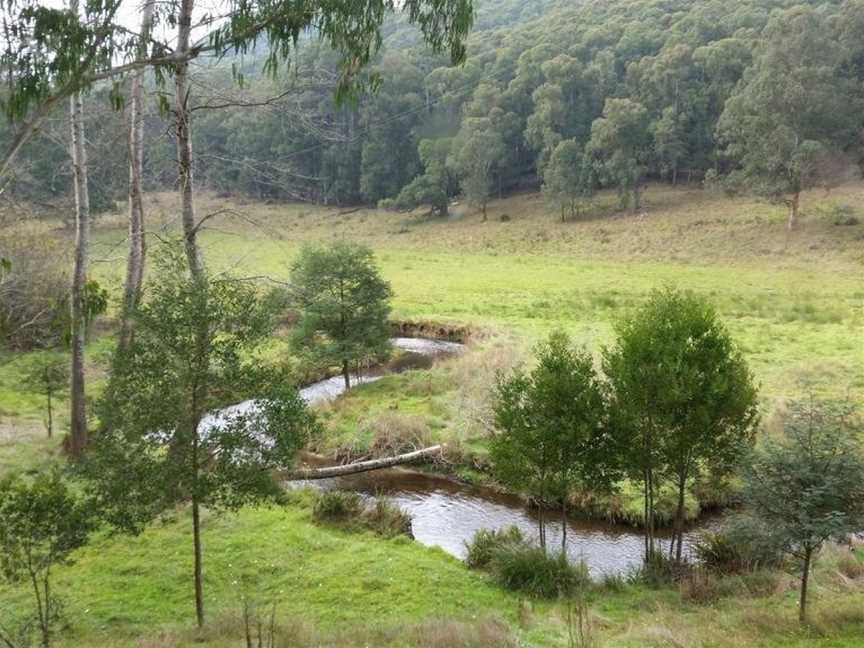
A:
[795,304]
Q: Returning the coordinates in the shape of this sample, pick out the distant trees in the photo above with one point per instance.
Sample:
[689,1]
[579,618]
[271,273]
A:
[568,180]
[434,186]
[477,150]
[621,145]
[165,439]
[794,112]
[344,306]
[808,486]
[49,376]
[43,522]
[551,433]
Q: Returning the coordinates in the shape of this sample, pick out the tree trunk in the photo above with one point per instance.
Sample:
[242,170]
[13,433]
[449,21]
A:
[675,175]
[792,222]
[678,533]
[184,141]
[196,542]
[78,423]
[346,375]
[805,577]
[564,526]
[365,466]
[50,416]
[541,522]
[484,212]
[135,261]
[637,197]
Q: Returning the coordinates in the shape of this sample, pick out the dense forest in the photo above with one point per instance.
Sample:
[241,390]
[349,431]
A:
[569,96]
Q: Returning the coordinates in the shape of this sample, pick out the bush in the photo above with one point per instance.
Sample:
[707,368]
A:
[394,434]
[532,571]
[742,544]
[486,542]
[387,520]
[337,506]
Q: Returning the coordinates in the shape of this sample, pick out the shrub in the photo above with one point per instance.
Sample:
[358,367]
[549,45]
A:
[742,544]
[337,506]
[532,571]
[761,583]
[387,520]
[486,542]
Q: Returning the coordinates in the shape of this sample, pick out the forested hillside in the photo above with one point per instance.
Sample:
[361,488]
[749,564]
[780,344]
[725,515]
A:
[763,96]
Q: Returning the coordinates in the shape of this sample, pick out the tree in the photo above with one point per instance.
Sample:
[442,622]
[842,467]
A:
[165,440]
[49,376]
[808,486]
[344,306]
[621,143]
[478,149]
[433,186]
[793,112]
[683,398]
[551,433]
[43,522]
[568,179]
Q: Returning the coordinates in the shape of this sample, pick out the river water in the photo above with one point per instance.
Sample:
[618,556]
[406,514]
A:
[447,514]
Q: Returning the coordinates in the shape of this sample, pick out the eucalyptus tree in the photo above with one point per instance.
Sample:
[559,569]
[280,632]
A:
[621,145]
[794,113]
[167,436]
[568,179]
[477,150]
[808,485]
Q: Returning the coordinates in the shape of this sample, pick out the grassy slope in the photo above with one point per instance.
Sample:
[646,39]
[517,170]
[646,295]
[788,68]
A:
[796,308]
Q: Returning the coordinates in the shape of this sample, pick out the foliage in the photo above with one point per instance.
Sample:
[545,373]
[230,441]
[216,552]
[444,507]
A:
[477,150]
[344,306]
[531,571]
[568,180]
[486,543]
[551,434]
[808,486]
[50,377]
[337,506]
[682,394]
[348,510]
[41,523]
[165,439]
[434,187]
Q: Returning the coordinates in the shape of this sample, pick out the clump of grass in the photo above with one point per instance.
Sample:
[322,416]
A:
[386,519]
[850,566]
[533,572]
[395,433]
[347,510]
[741,545]
[337,506]
[487,542]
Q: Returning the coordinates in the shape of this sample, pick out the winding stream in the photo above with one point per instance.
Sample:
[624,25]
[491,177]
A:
[447,514]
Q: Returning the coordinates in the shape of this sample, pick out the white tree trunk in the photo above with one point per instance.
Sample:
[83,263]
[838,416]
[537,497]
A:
[365,466]
[135,261]
[78,425]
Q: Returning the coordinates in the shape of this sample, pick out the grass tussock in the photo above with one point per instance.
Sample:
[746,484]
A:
[348,510]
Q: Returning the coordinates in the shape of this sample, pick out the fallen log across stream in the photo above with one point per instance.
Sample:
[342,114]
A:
[365,466]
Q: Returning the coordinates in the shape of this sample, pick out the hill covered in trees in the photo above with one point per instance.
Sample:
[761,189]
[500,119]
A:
[572,97]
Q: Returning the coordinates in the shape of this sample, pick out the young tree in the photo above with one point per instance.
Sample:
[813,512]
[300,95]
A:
[621,144]
[344,306]
[478,149]
[792,113]
[808,486]
[49,376]
[165,441]
[41,523]
[568,178]
[551,434]
[683,397]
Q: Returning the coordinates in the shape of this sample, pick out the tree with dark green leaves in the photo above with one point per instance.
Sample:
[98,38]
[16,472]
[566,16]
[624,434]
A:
[42,521]
[683,398]
[168,437]
[434,187]
[621,145]
[568,181]
[794,113]
[808,485]
[49,376]
[344,304]
[551,435]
